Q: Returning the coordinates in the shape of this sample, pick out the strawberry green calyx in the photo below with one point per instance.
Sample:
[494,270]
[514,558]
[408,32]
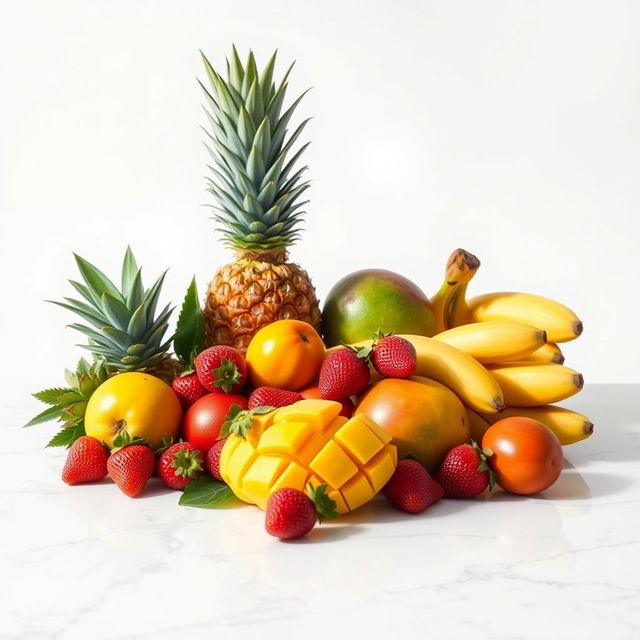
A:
[226,375]
[187,463]
[165,443]
[124,439]
[238,421]
[485,454]
[364,353]
[325,506]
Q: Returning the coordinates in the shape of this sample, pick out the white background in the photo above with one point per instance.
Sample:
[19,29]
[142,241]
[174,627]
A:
[508,128]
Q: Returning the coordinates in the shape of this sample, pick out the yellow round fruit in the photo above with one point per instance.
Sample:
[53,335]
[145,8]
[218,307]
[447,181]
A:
[139,403]
[424,418]
[286,354]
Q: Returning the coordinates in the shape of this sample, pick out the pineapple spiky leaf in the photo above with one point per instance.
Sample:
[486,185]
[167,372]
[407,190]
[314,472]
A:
[248,142]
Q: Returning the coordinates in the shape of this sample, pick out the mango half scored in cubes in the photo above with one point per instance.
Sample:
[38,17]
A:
[309,442]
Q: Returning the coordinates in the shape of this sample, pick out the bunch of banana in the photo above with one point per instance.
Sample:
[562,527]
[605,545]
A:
[514,336]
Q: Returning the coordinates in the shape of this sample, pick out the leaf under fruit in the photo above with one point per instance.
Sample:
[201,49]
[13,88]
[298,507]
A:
[206,492]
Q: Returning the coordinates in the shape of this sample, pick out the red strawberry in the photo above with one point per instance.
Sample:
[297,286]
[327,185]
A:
[213,459]
[188,389]
[179,465]
[272,397]
[221,368]
[394,357]
[86,462]
[343,373]
[292,514]
[131,467]
[411,488]
[464,473]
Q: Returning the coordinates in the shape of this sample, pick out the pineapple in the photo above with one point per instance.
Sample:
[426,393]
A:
[258,209]
[124,332]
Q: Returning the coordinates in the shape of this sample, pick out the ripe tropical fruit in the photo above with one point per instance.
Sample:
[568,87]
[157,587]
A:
[527,457]
[531,384]
[491,342]
[257,189]
[123,328]
[569,426]
[366,301]
[137,403]
[411,488]
[314,393]
[549,352]
[309,442]
[424,418]
[286,354]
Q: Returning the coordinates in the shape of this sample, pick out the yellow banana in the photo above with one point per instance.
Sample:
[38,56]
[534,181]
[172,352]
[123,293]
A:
[549,352]
[560,323]
[531,384]
[568,425]
[492,342]
[453,368]
[478,424]
[461,267]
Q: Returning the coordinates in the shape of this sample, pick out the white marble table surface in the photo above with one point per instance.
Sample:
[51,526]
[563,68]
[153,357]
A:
[88,562]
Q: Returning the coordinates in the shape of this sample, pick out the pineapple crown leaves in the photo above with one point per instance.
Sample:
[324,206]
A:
[325,506]
[253,181]
[121,324]
[238,421]
[68,404]
[484,455]
[188,340]
[187,463]
[226,375]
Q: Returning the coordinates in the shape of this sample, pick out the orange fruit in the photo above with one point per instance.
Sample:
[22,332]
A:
[424,418]
[286,354]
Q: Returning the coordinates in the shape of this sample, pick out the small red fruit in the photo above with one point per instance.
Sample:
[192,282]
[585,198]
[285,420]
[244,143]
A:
[394,357]
[213,459]
[179,465]
[131,467]
[411,488]
[272,397]
[86,462]
[221,369]
[188,389]
[292,514]
[343,373]
[202,423]
[464,473]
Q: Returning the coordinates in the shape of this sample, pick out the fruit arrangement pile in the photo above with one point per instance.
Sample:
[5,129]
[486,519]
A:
[260,396]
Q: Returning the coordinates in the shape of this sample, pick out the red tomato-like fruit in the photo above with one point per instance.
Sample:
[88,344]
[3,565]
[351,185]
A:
[527,456]
[202,422]
[314,393]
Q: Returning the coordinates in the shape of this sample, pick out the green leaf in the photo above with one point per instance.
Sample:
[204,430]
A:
[189,337]
[325,506]
[96,280]
[239,420]
[67,436]
[50,396]
[129,272]
[207,493]
[51,413]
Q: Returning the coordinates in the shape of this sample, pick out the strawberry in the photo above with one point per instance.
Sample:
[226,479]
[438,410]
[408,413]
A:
[86,462]
[291,513]
[188,389]
[344,373]
[270,396]
[131,467]
[213,459]
[465,473]
[411,488]
[221,368]
[179,465]
[393,357]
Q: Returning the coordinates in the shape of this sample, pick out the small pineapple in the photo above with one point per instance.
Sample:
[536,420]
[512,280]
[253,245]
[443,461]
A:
[122,326]
[258,207]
